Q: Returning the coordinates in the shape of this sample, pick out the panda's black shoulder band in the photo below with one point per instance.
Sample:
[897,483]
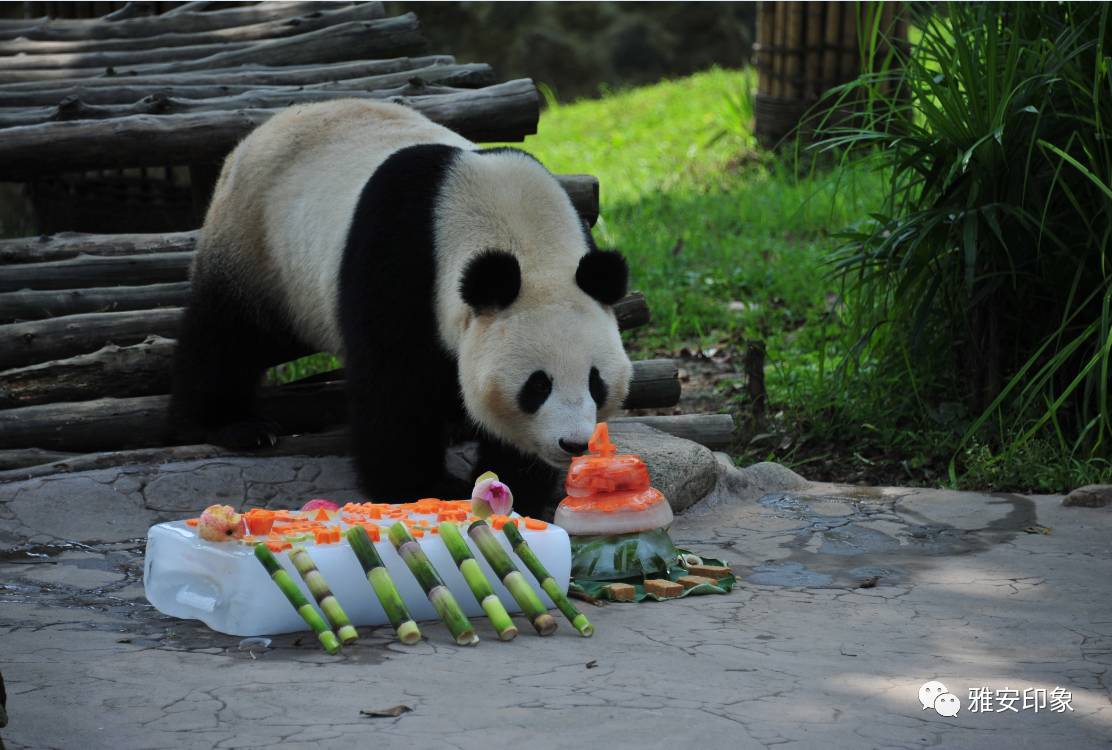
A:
[604,275]
[491,280]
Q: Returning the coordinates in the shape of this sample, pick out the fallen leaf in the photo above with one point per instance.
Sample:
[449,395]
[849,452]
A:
[867,583]
[1036,529]
[124,640]
[393,711]
[592,664]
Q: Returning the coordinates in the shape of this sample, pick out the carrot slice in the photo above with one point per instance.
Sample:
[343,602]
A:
[535,524]
[192,521]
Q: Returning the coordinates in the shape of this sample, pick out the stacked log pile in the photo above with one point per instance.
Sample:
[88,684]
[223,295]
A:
[87,321]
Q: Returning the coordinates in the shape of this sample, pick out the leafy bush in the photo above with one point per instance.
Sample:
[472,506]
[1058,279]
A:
[990,264]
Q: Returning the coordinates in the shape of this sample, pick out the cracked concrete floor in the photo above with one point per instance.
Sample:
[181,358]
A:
[849,600]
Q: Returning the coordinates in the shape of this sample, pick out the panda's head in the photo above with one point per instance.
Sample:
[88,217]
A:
[541,361]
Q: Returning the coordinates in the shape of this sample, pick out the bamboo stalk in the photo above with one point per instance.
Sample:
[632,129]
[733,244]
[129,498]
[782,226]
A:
[794,53]
[812,89]
[477,582]
[558,596]
[286,585]
[766,16]
[421,567]
[831,35]
[512,578]
[379,577]
[778,55]
[327,601]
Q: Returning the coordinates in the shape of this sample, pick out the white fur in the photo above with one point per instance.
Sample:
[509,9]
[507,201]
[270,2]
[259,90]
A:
[296,181]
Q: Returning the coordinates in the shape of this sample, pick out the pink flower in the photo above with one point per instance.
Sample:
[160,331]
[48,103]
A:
[491,497]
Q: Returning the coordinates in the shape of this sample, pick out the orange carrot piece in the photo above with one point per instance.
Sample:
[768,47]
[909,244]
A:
[535,524]
[192,521]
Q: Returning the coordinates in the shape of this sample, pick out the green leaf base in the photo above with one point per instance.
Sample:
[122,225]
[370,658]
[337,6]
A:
[597,588]
[620,556]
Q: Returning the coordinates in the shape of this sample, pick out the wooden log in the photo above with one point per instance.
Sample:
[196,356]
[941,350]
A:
[18,458]
[353,40]
[715,431]
[112,371]
[71,244]
[655,385]
[582,189]
[23,344]
[253,98]
[66,60]
[508,111]
[140,422]
[144,369]
[28,463]
[244,75]
[632,311]
[273,29]
[184,23]
[330,443]
[70,103]
[93,271]
[39,304]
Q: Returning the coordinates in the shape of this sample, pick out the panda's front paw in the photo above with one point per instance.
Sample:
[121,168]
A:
[246,434]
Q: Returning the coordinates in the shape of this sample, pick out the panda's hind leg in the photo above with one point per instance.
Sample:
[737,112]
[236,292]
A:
[224,347]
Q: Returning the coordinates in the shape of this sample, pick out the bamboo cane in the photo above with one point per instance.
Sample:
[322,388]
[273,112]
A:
[512,578]
[477,582]
[384,588]
[327,601]
[421,567]
[286,584]
[548,583]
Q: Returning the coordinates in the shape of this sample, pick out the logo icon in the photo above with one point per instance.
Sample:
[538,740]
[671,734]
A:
[934,695]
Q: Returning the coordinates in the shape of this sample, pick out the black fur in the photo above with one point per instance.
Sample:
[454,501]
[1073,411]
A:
[402,383]
[491,281]
[227,340]
[603,274]
[535,484]
[597,387]
[534,392]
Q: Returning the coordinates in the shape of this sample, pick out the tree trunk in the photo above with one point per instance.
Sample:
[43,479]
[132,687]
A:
[39,304]
[71,244]
[245,75]
[23,344]
[275,29]
[353,40]
[115,423]
[94,271]
[113,371]
[16,108]
[255,98]
[184,23]
[508,111]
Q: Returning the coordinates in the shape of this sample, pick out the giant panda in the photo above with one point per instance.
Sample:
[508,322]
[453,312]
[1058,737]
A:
[456,285]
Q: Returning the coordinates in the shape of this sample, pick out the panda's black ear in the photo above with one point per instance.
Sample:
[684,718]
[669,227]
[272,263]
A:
[491,281]
[603,274]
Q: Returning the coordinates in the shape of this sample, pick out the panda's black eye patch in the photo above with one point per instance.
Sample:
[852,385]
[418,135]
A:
[598,388]
[535,392]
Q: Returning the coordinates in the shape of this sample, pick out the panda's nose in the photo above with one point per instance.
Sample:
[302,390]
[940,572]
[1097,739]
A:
[572,448]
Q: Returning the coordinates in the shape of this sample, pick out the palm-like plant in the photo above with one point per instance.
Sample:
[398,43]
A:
[993,254]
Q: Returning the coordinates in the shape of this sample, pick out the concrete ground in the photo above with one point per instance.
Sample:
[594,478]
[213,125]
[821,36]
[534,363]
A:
[849,600]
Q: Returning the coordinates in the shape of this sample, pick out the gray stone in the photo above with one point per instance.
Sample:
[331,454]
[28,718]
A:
[1090,496]
[682,470]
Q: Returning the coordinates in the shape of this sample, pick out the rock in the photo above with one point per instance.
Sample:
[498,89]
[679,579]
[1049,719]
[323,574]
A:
[684,471]
[1090,496]
[752,482]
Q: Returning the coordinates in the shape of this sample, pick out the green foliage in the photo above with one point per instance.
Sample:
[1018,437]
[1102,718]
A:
[988,266]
